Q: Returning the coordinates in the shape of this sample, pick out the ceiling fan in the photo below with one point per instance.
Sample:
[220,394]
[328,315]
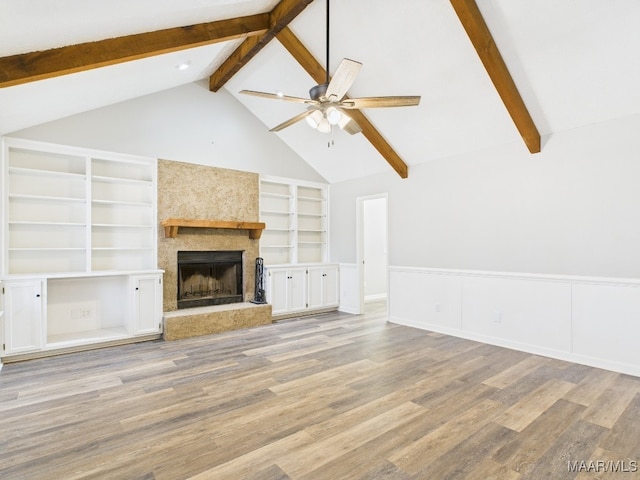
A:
[328,103]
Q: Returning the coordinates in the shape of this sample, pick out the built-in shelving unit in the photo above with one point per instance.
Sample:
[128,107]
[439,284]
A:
[79,246]
[295,214]
[72,210]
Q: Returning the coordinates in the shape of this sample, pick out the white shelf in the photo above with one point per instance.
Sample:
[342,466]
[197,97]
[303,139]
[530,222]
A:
[86,337]
[46,173]
[275,212]
[106,249]
[52,224]
[119,225]
[45,198]
[131,181]
[48,249]
[275,195]
[122,202]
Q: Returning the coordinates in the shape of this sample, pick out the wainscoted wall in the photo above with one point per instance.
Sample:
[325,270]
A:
[201,192]
[349,289]
[594,321]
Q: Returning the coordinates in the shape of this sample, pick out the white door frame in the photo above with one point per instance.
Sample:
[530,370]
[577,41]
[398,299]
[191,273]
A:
[360,201]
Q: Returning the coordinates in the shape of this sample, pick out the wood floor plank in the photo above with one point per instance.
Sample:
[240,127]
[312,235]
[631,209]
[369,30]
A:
[613,400]
[442,440]
[323,451]
[554,463]
[525,450]
[511,374]
[326,397]
[520,415]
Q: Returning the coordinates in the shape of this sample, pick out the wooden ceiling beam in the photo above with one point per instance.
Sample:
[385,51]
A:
[482,40]
[281,15]
[302,55]
[29,67]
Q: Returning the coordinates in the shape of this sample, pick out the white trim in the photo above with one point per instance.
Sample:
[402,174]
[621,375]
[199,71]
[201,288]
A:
[629,282]
[373,298]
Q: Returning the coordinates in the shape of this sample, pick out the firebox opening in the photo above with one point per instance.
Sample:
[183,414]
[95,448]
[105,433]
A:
[209,278]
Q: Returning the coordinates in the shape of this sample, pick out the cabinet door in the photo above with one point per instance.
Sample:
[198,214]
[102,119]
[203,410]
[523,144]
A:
[330,287]
[277,286]
[297,289]
[147,317]
[314,287]
[23,316]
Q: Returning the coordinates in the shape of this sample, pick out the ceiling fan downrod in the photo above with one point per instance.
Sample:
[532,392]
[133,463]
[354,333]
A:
[318,91]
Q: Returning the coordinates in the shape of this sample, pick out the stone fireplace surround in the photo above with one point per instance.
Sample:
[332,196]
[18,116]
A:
[202,192]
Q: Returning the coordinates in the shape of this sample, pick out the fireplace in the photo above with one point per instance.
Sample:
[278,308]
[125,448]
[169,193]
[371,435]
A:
[209,278]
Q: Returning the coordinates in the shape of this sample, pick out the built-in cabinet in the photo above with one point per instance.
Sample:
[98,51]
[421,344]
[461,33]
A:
[294,246]
[61,312]
[23,303]
[79,247]
[294,289]
[323,286]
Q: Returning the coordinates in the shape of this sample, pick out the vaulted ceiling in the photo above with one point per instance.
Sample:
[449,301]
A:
[489,72]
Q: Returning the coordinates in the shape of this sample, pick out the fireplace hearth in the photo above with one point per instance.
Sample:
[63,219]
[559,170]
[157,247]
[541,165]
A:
[209,278]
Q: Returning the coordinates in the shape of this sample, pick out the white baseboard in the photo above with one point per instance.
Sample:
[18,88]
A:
[375,298]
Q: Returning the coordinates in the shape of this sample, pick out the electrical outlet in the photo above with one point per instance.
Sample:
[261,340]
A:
[437,308]
[81,311]
[497,317]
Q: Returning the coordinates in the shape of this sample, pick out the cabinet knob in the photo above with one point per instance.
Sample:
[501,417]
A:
[37,295]
[137,289]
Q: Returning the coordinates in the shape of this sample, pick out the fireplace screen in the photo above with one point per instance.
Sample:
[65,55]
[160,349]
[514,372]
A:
[209,278]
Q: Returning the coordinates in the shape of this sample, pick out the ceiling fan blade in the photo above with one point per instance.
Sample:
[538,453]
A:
[380,102]
[293,120]
[343,79]
[348,124]
[275,96]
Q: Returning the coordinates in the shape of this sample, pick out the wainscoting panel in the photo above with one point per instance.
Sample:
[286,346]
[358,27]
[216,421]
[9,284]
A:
[349,289]
[593,321]
[426,299]
[526,312]
[606,322]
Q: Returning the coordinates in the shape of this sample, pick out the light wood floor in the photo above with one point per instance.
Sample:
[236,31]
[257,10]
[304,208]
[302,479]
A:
[329,397]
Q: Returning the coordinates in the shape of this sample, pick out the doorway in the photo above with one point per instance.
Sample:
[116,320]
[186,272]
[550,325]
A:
[372,254]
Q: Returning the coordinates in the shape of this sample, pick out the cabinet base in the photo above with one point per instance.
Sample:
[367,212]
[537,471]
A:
[303,313]
[78,348]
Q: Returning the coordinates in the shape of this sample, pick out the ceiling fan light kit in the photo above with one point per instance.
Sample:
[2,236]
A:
[327,101]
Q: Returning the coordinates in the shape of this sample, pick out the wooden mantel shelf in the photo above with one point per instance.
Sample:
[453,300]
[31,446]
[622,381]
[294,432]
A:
[171,226]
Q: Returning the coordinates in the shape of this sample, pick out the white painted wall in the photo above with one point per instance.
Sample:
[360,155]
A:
[375,248]
[573,209]
[188,124]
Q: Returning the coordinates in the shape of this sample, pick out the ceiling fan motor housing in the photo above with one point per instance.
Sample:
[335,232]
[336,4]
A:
[318,92]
